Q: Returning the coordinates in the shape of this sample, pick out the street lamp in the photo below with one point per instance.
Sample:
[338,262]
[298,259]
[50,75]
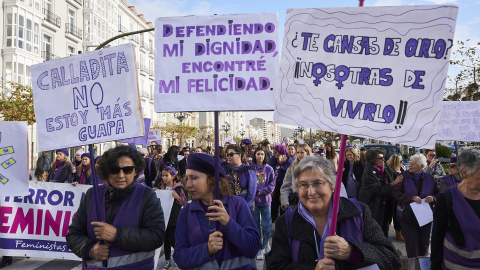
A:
[300,131]
[242,132]
[295,133]
[226,128]
[181,116]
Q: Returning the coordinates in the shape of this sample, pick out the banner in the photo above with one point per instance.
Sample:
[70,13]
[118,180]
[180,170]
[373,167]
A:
[216,63]
[376,72]
[87,98]
[36,225]
[143,139]
[460,121]
[13,158]
[154,135]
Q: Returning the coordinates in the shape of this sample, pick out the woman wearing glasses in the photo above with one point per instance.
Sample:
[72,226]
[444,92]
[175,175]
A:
[301,240]
[376,188]
[131,225]
[452,178]
[417,186]
[434,168]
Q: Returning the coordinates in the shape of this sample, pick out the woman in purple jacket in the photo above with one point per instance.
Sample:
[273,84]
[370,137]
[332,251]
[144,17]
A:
[263,198]
[199,245]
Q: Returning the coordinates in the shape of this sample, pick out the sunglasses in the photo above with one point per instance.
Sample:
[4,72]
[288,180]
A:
[380,158]
[432,155]
[126,169]
[452,166]
[232,154]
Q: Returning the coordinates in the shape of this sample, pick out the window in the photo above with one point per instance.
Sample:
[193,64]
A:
[28,36]
[10,31]
[21,29]
[71,17]
[47,4]
[70,50]
[8,71]
[20,73]
[36,37]
[47,47]
[119,23]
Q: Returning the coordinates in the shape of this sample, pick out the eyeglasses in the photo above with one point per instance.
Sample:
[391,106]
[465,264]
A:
[126,169]
[452,166]
[231,154]
[315,185]
[380,158]
[432,155]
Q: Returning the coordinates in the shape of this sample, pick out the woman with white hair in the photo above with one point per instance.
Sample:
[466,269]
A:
[301,240]
[417,186]
[456,218]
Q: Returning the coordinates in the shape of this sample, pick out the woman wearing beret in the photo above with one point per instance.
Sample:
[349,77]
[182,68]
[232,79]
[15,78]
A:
[280,162]
[198,244]
[301,240]
[247,148]
[131,224]
[456,219]
[84,174]
[61,168]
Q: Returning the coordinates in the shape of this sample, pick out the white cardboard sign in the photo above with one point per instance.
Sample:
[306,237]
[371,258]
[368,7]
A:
[376,72]
[13,159]
[87,98]
[216,63]
[460,121]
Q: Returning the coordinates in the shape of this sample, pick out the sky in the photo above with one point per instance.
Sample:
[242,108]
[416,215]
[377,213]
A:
[468,20]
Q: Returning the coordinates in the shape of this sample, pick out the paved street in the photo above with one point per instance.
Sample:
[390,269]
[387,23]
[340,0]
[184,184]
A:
[55,264]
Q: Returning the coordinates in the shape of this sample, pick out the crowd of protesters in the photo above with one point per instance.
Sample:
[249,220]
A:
[296,183]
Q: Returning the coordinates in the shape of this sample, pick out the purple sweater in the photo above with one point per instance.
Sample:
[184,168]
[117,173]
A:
[265,184]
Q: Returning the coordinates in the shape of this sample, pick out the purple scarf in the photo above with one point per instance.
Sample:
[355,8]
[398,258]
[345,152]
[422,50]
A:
[382,172]
[83,177]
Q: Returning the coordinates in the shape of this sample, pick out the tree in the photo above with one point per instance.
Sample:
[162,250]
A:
[204,134]
[466,82]
[178,131]
[327,136]
[16,103]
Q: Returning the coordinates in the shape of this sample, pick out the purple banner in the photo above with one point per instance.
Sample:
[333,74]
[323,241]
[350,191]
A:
[140,140]
[32,244]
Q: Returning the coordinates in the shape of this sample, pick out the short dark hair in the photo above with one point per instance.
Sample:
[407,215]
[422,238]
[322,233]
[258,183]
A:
[110,159]
[265,143]
[237,149]
[372,154]
[254,158]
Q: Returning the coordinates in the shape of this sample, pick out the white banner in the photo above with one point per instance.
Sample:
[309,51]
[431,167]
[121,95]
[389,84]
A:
[376,72]
[154,135]
[460,121]
[13,158]
[87,98]
[36,225]
[216,63]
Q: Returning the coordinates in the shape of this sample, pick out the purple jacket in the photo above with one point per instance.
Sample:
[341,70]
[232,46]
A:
[248,181]
[265,184]
[280,169]
[240,237]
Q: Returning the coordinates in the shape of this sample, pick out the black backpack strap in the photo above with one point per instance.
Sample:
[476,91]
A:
[244,169]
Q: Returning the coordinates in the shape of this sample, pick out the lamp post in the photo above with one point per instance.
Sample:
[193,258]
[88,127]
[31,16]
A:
[242,132]
[273,137]
[181,116]
[226,128]
[295,133]
[300,131]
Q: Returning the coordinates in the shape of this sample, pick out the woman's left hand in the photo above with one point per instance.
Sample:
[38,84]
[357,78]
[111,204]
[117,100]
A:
[104,231]
[429,199]
[337,248]
[220,213]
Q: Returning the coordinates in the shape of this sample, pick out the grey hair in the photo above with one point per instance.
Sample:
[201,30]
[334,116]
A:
[317,163]
[421,160]
[469,160]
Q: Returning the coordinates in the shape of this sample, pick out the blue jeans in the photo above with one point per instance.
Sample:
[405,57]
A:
[266,228]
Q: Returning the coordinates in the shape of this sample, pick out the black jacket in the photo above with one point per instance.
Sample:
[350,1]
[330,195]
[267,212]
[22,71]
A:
[357,171]
[374,191]
[40,163]
[150,173]
[182,166]
[64,174]
[148,236]
[375,248]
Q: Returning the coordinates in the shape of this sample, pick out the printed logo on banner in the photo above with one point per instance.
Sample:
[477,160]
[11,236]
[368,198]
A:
[460,121]
[87,98]
[13,158]
[376,72]
[216,63]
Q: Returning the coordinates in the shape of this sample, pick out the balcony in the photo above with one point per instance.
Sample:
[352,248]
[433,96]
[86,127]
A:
[52,18]
[73,30]
[76,3]
[47,56]
[134,38]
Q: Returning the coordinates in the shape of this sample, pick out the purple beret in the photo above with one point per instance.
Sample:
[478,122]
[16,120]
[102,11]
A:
[171,169]
[247,141]
[186,148]
[203,163]
[64,151]
[281,149]
[453,160]
[86,155]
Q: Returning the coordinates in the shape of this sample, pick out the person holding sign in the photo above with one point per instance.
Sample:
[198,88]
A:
[301,240]
[60,168]
[198,244]
[84,172]
[418,185]
[453,177]
[132,224]
[456,219]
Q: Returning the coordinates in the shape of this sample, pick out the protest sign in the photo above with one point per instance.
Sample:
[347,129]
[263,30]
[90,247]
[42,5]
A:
[143,139]
[154,135]
[376,72]
[216,63]
[228,139]
[460,121]
[87,98]
[13,158]
[36,225]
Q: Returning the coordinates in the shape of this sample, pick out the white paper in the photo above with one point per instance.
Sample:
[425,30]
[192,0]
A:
[386,89]
[87,98]
[423,212]
[216,63]
[459,121]
[425,263]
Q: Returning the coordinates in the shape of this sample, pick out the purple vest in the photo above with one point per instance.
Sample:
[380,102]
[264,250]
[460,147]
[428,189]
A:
[449,180]
[351,229]
[127,215]
[456,257]
[409,186]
